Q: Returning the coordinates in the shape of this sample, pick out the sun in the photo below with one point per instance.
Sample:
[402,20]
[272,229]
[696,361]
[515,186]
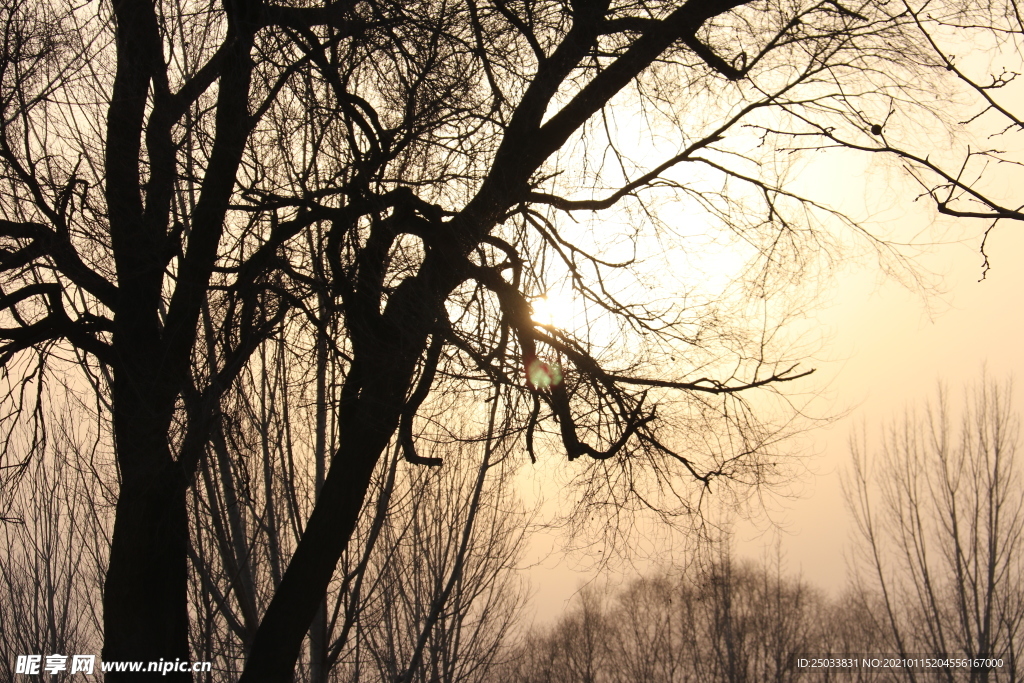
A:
[553,309]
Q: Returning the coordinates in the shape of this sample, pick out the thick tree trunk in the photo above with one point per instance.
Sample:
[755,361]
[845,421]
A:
[387,349]
[371,403]
[325,537]
[145,596]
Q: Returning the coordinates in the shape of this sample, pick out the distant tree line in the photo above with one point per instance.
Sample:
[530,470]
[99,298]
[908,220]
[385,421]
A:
[730,621]
[939,510]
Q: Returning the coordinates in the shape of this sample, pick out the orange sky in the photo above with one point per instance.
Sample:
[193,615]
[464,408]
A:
[883,347]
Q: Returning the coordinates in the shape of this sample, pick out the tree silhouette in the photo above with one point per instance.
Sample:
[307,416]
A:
[939,512]
[188,186]
[728,622]
[974,53]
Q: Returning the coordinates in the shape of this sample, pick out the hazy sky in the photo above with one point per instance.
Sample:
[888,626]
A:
[896,355]
[885,346]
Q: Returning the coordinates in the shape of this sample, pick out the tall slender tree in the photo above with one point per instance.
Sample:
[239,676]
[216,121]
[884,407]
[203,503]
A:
[940,514]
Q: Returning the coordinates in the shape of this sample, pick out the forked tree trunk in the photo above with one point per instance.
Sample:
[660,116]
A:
[324,539]
[371,403]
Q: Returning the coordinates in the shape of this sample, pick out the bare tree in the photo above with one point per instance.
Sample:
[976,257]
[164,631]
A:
[52,559]
[428,584]
[975,54]
[728,622]
[576,648]
[190,187]
[970,189]
[447,590]
[651,618]
[940,509]
[853,624]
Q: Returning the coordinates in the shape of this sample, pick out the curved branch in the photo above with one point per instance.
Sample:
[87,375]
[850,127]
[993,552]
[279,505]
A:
[567,426]
[405,432]
[64,255]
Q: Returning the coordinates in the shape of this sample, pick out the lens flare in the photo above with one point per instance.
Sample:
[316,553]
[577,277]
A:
[543,375]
